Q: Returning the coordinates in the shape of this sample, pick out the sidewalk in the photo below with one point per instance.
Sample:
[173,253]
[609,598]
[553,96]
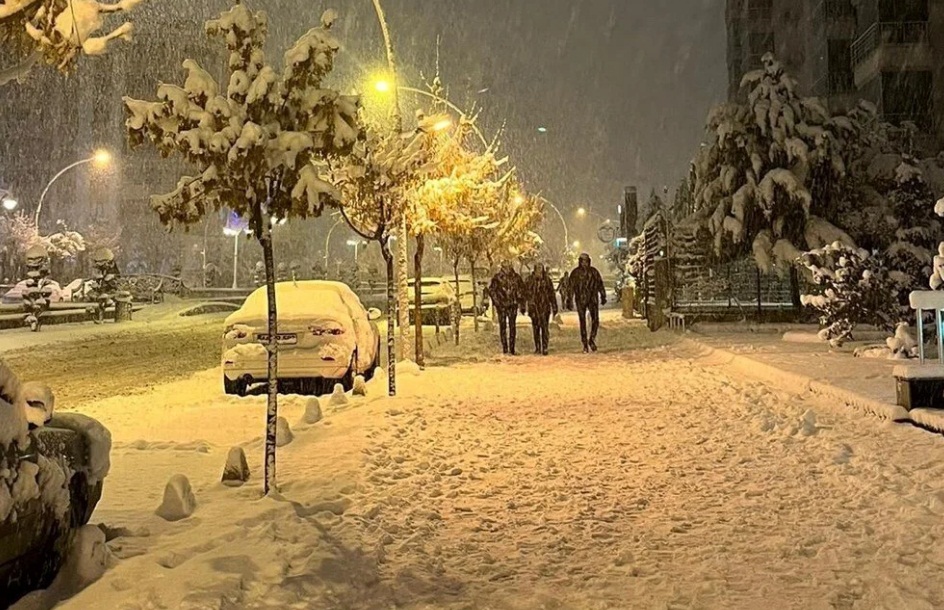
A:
[865,384]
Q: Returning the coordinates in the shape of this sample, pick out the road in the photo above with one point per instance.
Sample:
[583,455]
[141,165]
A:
[638,477]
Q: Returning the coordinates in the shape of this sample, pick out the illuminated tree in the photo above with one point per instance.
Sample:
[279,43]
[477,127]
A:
[260,145]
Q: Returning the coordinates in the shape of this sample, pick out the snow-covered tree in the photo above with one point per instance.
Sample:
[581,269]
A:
[57,32]
[374,183]
[853,288]
[753,179]
[259,143]
[519,215]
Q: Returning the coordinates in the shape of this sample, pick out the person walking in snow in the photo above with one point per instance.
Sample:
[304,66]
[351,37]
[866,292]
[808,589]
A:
[566,295]
[506,292]
[586,284]
[541,303]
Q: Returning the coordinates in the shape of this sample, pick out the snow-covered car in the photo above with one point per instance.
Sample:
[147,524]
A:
[15,295]
[467,294]
[52,469]
[325,336]
[438,298]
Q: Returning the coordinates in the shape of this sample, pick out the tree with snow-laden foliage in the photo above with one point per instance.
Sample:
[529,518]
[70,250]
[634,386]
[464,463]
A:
[57,32]
[458,206]
[260,145]
[753,180]
[854,288]
[518,215]
[374,182]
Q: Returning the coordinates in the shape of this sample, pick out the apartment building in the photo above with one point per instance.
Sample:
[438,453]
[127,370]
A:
[889,52]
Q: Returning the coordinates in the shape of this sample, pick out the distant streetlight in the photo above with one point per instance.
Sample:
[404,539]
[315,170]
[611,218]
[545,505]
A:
[576,245]
[9,203]
[542,129]
[443,124]
[356,244]
[442,259]
[234,233]
[100,158]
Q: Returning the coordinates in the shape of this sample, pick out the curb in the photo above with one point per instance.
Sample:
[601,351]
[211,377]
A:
[797,383]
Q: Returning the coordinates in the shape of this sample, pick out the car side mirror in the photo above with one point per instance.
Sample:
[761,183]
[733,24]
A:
[374,314]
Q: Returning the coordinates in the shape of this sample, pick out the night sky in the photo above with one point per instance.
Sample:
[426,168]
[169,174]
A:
[622,86]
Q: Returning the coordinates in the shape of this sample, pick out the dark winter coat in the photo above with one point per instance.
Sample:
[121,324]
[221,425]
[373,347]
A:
[540,296]
[507,290]
[586,284]
[567,297]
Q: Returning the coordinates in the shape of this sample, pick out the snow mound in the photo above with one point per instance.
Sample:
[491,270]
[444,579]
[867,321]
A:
[802,337]
[283,432]
[39,401]
[312,411]
[338,397]
[360,386]
[408,367]
[179,501]
[96,435]
[808,425]
[236,470]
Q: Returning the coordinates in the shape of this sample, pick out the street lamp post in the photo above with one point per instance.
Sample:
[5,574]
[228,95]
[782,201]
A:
[328,242]
[234,233]
[101,158]
[356,244]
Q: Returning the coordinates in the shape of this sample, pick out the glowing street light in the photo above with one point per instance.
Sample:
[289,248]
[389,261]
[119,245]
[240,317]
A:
[9,203]
[576,245]
[383,86]
[443,124]
[101,158]
[581,212]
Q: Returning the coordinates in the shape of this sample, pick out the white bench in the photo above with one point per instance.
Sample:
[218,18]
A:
[923,385]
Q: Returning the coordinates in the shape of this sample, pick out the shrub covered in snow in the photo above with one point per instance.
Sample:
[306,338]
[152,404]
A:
[854,288]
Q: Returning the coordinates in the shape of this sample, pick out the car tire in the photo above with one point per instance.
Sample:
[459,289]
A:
[369,373]
[235,387]
[347,382]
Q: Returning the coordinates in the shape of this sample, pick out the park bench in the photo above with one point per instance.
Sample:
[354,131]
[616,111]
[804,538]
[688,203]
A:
[922,385]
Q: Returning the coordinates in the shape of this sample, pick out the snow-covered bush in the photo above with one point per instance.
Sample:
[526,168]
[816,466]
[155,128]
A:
[56,32]
[854,288]
[937,272]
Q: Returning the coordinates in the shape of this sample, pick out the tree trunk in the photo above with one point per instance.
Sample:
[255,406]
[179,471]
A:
[475,294]
[458,317]
[795,289]
[403,296]
[391,317]
[272,368]
[418,298]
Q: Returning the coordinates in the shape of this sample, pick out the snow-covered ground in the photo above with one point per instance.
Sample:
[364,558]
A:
[634,478]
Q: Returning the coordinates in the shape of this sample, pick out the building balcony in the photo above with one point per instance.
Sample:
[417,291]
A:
[892,46]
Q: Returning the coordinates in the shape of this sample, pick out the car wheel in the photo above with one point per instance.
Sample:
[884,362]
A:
[369,373]
[237,387]
[348,380]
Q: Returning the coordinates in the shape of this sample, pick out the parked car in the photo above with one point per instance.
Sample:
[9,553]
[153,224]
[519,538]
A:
[35,537]
[438,298]
[325,336]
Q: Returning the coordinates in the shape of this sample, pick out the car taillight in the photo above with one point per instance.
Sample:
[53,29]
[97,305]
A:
[319,332]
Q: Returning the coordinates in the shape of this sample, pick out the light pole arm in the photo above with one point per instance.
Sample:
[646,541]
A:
[563,223]
[42,197]
[328,242]
[451,106]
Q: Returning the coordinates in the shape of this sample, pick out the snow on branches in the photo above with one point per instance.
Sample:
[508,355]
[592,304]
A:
[58,31]
[260,142]
[854,288]
[753,180]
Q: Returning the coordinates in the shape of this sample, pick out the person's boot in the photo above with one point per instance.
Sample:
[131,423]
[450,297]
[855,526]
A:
[586,348]
[593,345]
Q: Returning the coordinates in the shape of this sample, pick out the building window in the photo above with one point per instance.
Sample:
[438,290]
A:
[838,9]
[903,11]
[760,9]
[907,96]
[759,44]
[839,65]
